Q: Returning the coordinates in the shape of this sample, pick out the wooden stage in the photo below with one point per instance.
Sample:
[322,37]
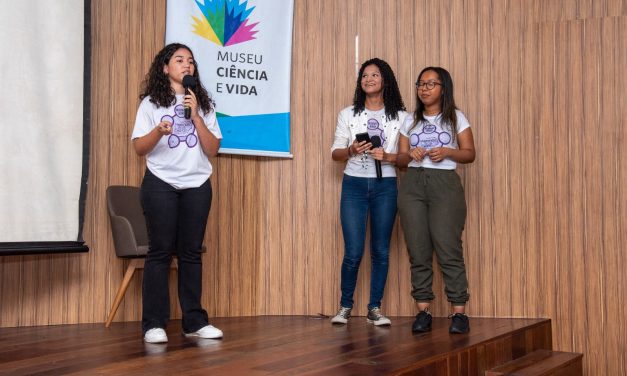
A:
[272,345]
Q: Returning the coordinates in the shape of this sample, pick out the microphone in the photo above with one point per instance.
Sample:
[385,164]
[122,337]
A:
[188,82]
[376,143]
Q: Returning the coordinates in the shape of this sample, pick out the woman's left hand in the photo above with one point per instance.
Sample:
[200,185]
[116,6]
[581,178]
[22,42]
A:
[191,102]
[377,153]
[438,154]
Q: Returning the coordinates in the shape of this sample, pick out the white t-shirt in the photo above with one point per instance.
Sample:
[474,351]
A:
[431,133]
[178,158]
[376,123]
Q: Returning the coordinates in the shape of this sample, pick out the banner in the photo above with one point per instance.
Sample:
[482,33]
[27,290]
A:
[243,50]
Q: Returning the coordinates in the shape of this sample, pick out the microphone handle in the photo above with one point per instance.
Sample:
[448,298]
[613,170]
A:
[377,165]
[188,110]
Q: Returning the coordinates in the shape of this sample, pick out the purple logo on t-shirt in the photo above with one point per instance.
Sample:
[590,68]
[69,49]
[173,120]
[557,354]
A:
[375,130]
[429,137]
[182,129]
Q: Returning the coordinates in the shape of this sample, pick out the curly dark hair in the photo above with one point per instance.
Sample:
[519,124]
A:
[392,99]
[157,85]
[447,100]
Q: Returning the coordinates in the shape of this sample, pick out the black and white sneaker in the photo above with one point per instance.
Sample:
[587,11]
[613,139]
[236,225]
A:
[342,316]
[376,317]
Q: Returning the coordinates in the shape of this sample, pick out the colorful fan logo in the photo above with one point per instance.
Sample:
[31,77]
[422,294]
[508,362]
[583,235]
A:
[225,22]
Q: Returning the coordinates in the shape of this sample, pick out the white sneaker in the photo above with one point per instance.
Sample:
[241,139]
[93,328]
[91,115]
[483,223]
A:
[209,332]
[342,316]
[376,317]
[155,335]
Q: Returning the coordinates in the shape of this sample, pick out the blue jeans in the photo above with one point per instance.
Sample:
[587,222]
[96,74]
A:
[176,221]
[360,197]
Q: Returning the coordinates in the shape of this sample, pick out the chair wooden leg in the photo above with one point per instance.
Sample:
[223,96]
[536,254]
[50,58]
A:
[137,263]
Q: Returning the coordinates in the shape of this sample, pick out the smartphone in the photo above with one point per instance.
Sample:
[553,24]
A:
[362,137]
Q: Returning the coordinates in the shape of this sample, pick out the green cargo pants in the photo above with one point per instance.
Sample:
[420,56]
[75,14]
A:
[432,209]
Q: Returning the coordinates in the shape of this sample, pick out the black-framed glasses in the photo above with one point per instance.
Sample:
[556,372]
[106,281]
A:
[429,85]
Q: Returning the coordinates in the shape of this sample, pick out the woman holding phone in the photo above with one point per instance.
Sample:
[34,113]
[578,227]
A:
[375,118]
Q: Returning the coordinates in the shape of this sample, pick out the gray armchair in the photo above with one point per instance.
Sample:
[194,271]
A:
[130,237]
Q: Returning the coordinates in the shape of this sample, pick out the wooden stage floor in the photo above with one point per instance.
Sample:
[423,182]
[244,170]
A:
[272,345]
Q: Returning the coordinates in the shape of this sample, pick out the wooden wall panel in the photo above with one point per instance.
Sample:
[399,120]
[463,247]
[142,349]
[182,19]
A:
[575,173]
[542,83]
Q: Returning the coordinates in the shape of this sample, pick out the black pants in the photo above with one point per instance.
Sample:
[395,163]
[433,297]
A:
[176,221]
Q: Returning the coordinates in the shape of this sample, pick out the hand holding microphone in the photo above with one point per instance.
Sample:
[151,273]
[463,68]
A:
[189,82]
[376,143]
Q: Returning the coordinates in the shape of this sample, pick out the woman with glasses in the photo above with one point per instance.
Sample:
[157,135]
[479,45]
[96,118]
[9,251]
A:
[431,199]
[369,186]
